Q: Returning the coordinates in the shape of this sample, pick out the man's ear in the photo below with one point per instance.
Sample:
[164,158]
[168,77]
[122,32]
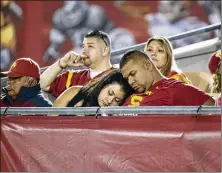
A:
[147,65]
[106,51]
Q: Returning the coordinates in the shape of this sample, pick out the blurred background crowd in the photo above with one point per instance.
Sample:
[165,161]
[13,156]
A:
[45,30]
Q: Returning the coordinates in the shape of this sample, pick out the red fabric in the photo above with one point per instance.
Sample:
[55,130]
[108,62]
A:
[24,67]
[169,92]
[172,143]
[80,77]
[59,85]
[215,61]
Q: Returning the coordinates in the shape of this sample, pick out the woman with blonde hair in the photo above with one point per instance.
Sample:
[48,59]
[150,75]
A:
[160,50]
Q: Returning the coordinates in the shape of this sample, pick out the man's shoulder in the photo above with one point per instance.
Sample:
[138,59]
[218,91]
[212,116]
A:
[81,71]
[70,74]
[170,82]
[40,101]
[164,88]
[173,87]
[105,72]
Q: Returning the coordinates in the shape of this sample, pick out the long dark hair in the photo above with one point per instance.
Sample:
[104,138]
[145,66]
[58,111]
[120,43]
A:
[90,92]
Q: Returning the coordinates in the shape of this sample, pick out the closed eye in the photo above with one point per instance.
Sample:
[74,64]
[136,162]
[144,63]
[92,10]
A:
[117,99]
[132,73]
[111,92]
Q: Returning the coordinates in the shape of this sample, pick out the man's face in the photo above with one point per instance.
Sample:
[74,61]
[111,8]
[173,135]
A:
[93,48]
[137,75]
[15,84]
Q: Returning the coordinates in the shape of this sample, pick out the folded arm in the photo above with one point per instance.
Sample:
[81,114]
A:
[66,97]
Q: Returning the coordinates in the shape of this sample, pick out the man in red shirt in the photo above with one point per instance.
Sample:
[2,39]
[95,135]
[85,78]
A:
[95,55]
[153,89]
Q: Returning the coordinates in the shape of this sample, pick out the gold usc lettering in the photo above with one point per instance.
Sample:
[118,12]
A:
[135,100]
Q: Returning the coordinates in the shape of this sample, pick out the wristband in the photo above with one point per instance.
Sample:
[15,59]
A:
[60,65]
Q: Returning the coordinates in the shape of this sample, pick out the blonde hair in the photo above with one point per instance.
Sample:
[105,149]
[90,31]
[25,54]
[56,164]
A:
[216,86]
[170,63]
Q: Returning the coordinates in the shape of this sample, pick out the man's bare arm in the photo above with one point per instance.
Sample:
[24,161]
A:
[51,73]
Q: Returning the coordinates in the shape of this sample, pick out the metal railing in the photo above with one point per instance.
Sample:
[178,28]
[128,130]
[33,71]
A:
[172,38]
[113,110]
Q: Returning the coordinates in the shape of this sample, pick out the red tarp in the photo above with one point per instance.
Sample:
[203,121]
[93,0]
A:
[146,143]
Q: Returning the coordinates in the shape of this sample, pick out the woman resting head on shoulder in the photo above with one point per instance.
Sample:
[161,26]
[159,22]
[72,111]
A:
[110,89]
[160,50]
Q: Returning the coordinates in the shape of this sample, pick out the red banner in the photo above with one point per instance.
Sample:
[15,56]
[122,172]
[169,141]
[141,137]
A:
[178,143]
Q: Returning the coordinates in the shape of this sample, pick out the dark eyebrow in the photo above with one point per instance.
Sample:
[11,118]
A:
[90,43]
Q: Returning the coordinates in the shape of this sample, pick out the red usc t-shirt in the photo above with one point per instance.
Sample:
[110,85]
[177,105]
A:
[169,92]
[71,78]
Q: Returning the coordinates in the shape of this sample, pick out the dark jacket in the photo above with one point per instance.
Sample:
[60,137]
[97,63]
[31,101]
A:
[28,97]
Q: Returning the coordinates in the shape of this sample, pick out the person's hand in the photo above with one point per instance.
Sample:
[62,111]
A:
[72,59]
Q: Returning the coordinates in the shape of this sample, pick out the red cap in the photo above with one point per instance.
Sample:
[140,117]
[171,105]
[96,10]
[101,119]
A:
[215,61]
[23,67]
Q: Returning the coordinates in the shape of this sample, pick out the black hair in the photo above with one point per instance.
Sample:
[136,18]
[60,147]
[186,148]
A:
[90,92]
[132,54]
[101,35]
